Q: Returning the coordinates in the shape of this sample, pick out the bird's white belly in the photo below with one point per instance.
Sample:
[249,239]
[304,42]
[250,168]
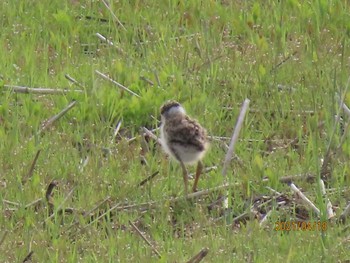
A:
[188,154]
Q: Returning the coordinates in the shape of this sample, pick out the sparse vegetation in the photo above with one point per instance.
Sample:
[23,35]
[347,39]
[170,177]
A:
[70,190]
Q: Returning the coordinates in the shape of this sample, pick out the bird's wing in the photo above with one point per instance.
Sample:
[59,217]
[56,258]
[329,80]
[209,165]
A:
[188,132]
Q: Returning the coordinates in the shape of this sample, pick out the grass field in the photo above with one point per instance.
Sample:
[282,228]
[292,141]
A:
[74,202]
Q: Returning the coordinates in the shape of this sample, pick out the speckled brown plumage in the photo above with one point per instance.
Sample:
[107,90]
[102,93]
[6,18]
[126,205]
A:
[186,132]
[182,138]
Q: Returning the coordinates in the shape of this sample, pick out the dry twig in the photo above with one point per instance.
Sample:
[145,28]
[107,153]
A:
[173,200]
[345,214]
[28,257]
[108,198]
[27,90]
[105,2]
[48,196]
[144,134]
[121,51]
[157,78]
[150,134]
[325,172]
[60,206]
[233,141]
[89,213]
[3,237]
[74,81]
[31,170]
[149,178]
[116,130]
[102,215]
[145,239]
[198,258]
[8,202]
[150,82]
[116,83]
[50,121]
[234,138]
[263,221]
[34,203]
[330,213]
[304,198]
[288,179]
[283,61]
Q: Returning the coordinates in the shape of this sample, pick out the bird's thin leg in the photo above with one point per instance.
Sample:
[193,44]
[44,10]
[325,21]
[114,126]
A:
[185,176]
[198,173]
[184,170]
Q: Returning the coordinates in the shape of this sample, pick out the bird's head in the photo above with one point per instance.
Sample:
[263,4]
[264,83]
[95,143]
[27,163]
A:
[170,109]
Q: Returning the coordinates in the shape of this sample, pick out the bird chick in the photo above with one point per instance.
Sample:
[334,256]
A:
[183,138]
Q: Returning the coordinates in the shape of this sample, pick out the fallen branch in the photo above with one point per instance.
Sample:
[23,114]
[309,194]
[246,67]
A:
[233,141]
[150,82]
[343,137]
[150,134]
[48,193]
[105,2]
[83,162]
[50,121]
[264,219]
[173,200]
[277,141]
[234,138]
[241,217]
[34,203]
[27,90]
[283,61]
[8,202]
[108,198]
[330,213]
[345,214]
[149,178]
[140,206]
[148,205]
[273,190]
[197,258]
[344,107]
[144,149]
[74,81]
[48,196]
[288,179]
[102,215]
[58,210]
[28,257]
[157,77]
[116,83]
[121,51]
[145,239]
[325,172]
[116,131]
[304,198]
[89,213]
[3,237]
[104,39]
[201,193]
[253,208]
[298,113]
[31,170]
